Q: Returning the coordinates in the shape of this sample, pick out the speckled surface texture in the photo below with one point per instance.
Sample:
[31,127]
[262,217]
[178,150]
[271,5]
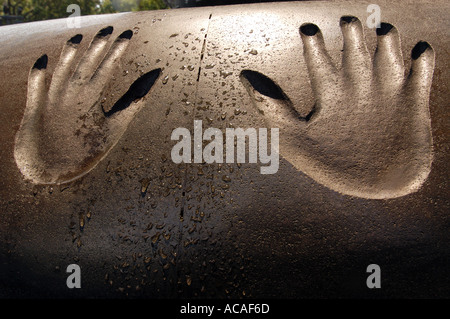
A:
[364,153]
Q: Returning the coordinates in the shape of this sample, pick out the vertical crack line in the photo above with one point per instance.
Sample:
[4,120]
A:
[201,57]
[176,291]
[202,54]
[183,194]
[186,173]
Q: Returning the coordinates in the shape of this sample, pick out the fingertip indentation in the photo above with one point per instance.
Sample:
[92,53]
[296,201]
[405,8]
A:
[384,28]
[263,84]
[76,39]
[105,31]
[41,63]
[309,29]
[348,19]
[137,90]
[419,49]
[128,34]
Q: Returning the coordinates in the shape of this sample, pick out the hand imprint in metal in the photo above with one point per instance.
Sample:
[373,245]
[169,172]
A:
[369,133]
[65,131]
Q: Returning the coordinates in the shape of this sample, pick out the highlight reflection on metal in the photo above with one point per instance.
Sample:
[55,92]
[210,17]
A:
[362,104]
[369,133]
[65,132]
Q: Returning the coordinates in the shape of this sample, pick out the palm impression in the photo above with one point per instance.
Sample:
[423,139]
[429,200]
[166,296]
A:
[369,132]
[65,131]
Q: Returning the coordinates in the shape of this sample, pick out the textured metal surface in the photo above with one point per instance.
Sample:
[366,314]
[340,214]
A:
[87,175]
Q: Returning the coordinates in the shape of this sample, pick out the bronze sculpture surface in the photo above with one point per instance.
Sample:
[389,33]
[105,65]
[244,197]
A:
[87,175]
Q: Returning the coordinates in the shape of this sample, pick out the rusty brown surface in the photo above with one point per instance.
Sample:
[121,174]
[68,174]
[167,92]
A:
[140,225]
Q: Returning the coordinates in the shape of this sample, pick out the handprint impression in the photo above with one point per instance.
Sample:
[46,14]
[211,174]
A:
[65,131]
[369,133]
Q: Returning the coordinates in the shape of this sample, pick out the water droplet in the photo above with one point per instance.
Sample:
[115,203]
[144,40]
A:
[188,280]
[174,77]
[190,67]
[225,73]
[173,35]
[254,52]
[155,237]
[210,66]
[237,111]
[165,79]
[226,178]
[144,185]
[161,226]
